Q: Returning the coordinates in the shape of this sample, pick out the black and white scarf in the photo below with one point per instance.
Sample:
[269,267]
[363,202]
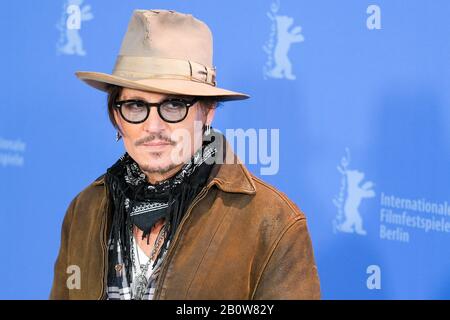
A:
[136,202]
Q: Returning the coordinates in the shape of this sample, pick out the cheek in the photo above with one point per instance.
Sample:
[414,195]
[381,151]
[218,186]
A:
[191,124]
[188,133]
[131,132]
[199,114]
[198,118]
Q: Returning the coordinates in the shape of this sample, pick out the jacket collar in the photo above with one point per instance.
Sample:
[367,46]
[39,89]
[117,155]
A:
[229,176]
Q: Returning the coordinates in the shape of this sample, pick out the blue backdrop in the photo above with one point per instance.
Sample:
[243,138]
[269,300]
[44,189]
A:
[359,91]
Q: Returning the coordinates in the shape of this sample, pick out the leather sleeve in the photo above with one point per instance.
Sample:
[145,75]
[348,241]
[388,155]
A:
[290,272]
[59,289]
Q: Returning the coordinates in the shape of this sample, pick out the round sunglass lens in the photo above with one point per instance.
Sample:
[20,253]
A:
[134,111]
[173,110]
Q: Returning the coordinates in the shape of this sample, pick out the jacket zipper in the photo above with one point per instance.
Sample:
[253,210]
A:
[165,263]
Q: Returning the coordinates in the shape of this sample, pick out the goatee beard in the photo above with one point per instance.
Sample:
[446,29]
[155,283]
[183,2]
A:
[160,170]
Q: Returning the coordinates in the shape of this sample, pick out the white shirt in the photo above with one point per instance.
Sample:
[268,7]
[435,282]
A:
[140,258]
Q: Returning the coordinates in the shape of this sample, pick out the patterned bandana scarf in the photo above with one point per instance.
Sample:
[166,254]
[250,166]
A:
[136,202]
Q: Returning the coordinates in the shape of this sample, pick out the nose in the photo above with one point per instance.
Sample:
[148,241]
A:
[154,124]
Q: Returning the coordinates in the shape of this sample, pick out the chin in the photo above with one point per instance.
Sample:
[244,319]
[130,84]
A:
[152,162]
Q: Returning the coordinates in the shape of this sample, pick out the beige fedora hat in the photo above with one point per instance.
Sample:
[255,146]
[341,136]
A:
[167,52]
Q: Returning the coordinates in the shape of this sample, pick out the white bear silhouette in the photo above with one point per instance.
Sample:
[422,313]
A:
[74,44]
[355,193]
[285,37]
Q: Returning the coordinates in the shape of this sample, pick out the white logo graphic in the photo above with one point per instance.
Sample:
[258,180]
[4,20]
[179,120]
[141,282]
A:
[348,218]
[12,152]
[74,14]
[278,64]
[373,22]
[74,279]
[373,281]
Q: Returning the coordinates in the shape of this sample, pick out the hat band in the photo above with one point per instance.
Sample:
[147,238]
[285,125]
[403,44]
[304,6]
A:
[138,68]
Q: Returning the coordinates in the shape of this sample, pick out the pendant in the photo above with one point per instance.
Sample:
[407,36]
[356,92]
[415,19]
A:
[140,286]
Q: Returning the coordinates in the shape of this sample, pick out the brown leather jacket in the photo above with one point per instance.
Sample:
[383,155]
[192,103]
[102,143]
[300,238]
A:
[240,239]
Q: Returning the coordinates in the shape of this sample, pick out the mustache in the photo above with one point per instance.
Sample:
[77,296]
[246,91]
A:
[152,137]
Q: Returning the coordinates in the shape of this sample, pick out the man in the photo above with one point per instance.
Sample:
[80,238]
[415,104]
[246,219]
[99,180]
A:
[178,216]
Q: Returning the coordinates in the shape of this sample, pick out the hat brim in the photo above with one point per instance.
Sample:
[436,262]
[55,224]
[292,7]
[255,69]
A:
[102,81]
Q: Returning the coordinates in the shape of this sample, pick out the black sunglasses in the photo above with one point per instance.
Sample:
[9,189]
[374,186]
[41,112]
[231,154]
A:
[172,110]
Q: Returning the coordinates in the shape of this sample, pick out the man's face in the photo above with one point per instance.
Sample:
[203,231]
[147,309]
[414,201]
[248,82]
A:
[160,147]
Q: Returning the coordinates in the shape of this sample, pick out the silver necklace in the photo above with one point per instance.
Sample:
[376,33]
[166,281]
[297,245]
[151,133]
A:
[140,282]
